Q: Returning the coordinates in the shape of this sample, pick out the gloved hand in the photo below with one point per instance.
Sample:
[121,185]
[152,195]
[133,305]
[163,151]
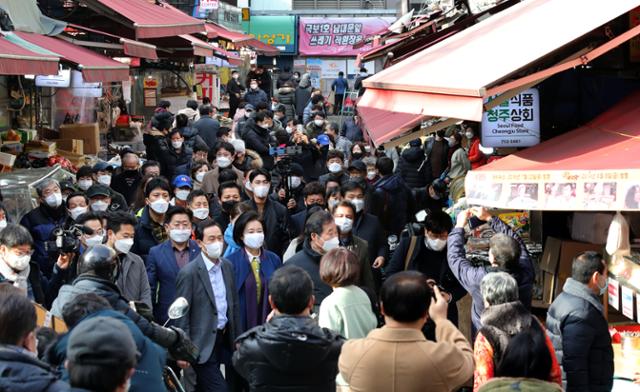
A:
[183,349]
[144,310]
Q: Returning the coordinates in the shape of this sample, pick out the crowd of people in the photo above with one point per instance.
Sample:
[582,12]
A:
[303,262]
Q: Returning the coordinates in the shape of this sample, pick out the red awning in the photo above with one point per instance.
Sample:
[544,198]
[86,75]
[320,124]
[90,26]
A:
[261,47]
[129,47]
[148,19]
[200,48]
[382,125]
[453,78]
[216,31]
[16,60]
[591,168]
[94,67]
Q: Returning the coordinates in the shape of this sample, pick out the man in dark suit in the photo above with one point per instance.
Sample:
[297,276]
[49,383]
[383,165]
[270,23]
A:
[313,195]
[213,318]
[167,259]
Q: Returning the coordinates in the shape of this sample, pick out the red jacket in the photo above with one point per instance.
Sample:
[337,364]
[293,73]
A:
[476,157]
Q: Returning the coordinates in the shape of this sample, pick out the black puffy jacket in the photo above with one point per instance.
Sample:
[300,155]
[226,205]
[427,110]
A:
[258,140]
[580,336]
[23,373]
[412,167]
[289,353]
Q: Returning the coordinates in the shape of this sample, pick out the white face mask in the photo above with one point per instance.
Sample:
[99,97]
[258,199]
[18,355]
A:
[335,167]
[318,122]
[253,86]
[18,263]
[344,224]
[201,213]
[54,200]
[261,191]
[435,244]
[124,245]
[180,235]
[200,176]
[176,144]
[85,184]
[182,194]
[358,204]
[248,186]
[160,206]
[3,224]
[289,130]
[95,240]
[371,175]
[247,114]
[99,205]
[332,203]
[223,161]
[469,135]
[295,181]
[76,212]
[452,142]
[214,249]
[254,240]
[331,243]
[235,76]
[105,179]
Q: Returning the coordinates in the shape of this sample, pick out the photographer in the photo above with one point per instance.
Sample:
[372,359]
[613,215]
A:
[309,153]
[289,189]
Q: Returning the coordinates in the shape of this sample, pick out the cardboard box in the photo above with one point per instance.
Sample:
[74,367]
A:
[75,146]
[591,227]
[88,133]
[47,148]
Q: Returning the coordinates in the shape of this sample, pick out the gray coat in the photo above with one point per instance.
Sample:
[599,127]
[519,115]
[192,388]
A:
[303,94]
[68,292]
[200,323]
[132,279]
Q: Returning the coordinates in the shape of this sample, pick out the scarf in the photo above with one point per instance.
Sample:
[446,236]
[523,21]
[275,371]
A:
[19,279]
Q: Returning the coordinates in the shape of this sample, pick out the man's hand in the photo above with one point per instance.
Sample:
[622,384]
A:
[183,364]
[463,218]
[291,204]
[378,262]
[481,213]
[64,259]
[281,194]
[438,307]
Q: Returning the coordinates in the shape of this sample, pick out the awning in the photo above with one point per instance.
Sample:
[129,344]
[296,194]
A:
[594,168]
[452,78]
[261,47]
[200,47]
[16,60]
[94,67]
[148,19]
[129,47]
[216,31]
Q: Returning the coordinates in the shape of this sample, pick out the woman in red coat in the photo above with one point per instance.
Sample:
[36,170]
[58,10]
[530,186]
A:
[476,157]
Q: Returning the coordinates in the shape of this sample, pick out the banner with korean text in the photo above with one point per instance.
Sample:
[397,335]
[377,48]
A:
[336,36]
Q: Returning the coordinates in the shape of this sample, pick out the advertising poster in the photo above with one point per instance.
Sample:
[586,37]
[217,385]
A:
[614,293]
[513,123]
[336,36]
[314,68]
[278,31]
[627,301]
[331,68]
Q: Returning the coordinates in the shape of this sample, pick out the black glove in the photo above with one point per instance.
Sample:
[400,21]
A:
[144,310]
[183,349]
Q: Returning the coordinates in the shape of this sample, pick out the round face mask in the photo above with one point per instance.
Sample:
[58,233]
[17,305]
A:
[180,235]
[104,179]
[214,249]
[261,191]
[17,263]
[318,122]
[176,144]
[335,167]
[344,224]
[76,212]
[469,135]
[85,184]
[201,213]
[358,204]
[123,245]
[223,161]
[253,86]
[436,244]
[99,205]
[254,240]
[295,181]
[95,240]
[331,243]
[182,194]
[371,175]
[54,200]
[200,176]
[160,206]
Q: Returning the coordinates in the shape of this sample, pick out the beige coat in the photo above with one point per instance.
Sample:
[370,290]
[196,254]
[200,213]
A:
[210,181]
[402,360]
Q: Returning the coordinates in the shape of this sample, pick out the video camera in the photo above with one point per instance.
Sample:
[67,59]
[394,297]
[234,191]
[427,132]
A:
[67,240]
[282,150]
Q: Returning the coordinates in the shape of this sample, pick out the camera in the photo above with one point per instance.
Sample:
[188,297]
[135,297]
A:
[67,240]
[284,150]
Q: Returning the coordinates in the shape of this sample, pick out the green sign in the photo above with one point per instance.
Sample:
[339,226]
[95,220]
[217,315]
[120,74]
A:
[279,31]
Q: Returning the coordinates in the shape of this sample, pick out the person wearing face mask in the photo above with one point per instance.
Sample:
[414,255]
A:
[174,156]
[352,130]
[335,166]
[41,221]
[100,199]
[168,258]
[344,215]
[321,235]
[507,252]
[225,153]
[253,265]
[273,214]
[198,171]
[248,117]
[287,98]
[293,176]
[4,216]
[198,204]
[257,138]
[127,182]
[475,155]
[436,148]
[578,328]
[208,125]
[102,175]
[234,89]
[303,95]
[459,165]
[150,230]
[132,279]
[84,178]
[432,197]
[77,204]
[427,253]
[372,174]
[20,367]
[182,187]
[316,125]
[255,94]
[338,141]
[312,196]
[213,316]
[229,195]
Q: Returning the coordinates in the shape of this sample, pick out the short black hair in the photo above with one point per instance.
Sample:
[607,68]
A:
[164,104]
[335,154]
[81,306]
[84,171]
[227,175]
[313,188]
[148,164]
[241,223]
[89,216]
[205,110]
[223,131]
[384,166]
[17,314]
[319,113]
[350,186]
[290,289]
[193,104]
[316,222]
[116,219]
[204,225]
[182,120]
[406,296]
[585,265]
[228,185]
[15,235]
[195,193]
[438,222]
[261,116]
[155,183]
[176,210]
[340,73]
[316,99]
[224,145]
[201,147]
[76,194]
[260,172]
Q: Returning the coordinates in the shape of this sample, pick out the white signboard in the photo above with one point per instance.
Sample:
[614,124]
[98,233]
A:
[209,4]
[513,123]
[352,70]
[330,68]
[62,79]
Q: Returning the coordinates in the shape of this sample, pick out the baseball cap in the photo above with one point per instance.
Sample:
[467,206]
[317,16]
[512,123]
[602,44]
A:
[102,166]
[182,181]
[101,341]
[98,190]
[249,107]
[323,140]
[358,165]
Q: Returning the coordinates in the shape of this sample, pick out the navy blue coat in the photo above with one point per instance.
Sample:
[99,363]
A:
[144,239]
[207,129]
[24,373]
[40,222]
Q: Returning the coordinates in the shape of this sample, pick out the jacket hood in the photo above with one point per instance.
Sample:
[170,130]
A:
[296,343]
[391,184]
[413,154]
[305,81]
[21,373]
[188,132]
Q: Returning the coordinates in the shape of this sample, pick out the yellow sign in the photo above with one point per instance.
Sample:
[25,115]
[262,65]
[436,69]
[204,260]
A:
[246,14]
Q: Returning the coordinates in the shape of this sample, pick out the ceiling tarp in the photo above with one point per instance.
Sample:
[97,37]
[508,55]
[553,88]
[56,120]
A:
[26,16]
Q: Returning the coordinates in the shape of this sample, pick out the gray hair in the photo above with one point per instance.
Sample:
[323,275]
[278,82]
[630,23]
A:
[499,288]
[40,187]
[369,161]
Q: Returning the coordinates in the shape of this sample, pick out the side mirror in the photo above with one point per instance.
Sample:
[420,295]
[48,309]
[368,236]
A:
[178,308]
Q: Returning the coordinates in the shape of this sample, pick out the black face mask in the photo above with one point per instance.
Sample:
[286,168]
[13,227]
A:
[227,206]
[130,173]
[310,206]
[356,155]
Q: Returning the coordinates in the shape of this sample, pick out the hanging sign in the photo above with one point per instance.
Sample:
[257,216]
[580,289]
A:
[336,36]
[513,123]
[627,301]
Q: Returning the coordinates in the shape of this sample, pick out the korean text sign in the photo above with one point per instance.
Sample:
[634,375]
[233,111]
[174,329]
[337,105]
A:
[336,36]
[513,123]
[278,31]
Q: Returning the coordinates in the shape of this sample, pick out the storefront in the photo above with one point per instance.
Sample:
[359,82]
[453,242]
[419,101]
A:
[278,31]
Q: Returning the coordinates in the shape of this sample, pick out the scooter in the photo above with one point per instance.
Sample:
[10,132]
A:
[177,310]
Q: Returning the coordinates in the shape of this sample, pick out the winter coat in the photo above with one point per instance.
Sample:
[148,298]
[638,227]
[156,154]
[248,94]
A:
[283,78]
[309,260]
[210,182]
[476,157]
[41,222]
[207,128]
[276,221]
[393,203]
[254,97]
[192,138]
[340,85]
[580,335]
[351,130]
[507,384]
[39,290]
[132,279]
[258,140]
[251,161]
[368,227]
[144,238]
[303,94]
[288,353]
[192,115]
[412,168]
[470,276]
[22,372]
[172,163]
[402,359]
[287,96]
